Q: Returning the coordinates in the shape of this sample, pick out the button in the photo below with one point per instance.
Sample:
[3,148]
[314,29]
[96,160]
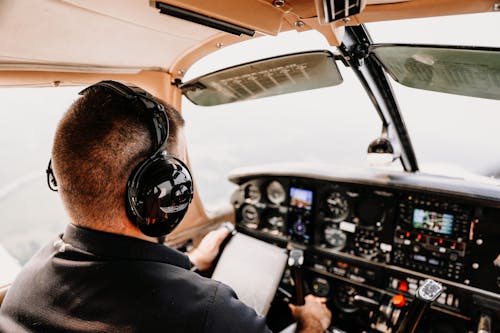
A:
[449,300]
[394,283]
[398,301]
[403,286]
[475,265]
[442,298]
[412,286]
[442,250]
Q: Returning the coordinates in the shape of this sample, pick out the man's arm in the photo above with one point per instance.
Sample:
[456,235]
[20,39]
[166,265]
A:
[228,314]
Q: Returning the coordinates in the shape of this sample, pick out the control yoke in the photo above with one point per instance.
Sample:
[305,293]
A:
[428,292]
[295,261]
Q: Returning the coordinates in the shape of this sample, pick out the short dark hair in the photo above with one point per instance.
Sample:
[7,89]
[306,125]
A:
[98,142]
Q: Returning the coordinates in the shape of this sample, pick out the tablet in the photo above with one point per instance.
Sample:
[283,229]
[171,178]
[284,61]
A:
[253,269]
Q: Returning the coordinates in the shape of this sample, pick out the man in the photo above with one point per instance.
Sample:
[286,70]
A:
[104,274]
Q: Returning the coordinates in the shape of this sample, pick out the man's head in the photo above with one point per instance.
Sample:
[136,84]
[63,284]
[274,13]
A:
[98,143]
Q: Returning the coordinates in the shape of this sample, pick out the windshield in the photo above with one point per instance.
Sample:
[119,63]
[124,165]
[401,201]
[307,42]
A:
[452,135]
[331,125]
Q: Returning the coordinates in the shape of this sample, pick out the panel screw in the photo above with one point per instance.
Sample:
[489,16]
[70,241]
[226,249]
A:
[219,45]
[299,24]
[346,20]
[496,7]
[180,72]
[56,83]
[278,3]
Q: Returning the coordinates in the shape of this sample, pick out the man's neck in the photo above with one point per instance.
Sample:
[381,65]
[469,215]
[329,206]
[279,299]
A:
[119,227]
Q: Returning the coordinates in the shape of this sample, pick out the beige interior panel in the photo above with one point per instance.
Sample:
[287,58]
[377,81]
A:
[260,16]
[184,62]
[421,8]
[60,32]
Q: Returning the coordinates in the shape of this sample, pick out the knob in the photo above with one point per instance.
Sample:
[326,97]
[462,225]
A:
[398,301]
[484,324]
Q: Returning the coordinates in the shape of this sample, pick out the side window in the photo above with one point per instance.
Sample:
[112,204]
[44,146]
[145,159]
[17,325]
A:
[30,214]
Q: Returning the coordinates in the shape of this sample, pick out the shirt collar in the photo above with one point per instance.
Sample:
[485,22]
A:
[108,245]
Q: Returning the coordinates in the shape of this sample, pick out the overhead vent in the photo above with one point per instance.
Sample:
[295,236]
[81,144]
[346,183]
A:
[207,21]
[334,10]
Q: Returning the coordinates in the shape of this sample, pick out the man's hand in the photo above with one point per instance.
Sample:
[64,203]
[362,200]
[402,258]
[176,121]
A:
[203,255]
[313,316]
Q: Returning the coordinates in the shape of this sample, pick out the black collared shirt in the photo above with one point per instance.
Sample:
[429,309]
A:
[91,281]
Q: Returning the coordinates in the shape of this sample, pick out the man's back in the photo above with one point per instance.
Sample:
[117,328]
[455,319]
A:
[90,281]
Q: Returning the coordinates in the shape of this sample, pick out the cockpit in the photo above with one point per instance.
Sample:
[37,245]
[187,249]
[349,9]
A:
[349,144]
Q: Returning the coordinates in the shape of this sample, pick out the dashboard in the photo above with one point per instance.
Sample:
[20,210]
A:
[370,239]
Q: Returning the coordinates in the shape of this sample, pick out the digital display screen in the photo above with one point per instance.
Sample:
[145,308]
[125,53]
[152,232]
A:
[433,221]
[424,259]
[301,198]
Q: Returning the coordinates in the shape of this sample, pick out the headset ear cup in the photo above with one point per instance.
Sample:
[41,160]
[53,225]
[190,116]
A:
[159,191]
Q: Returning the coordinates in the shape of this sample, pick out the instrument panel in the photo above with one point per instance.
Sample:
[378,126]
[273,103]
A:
[366,240]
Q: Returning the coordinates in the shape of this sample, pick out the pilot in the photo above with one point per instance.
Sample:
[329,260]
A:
[107,272]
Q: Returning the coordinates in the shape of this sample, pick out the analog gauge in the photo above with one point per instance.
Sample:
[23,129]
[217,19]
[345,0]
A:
[275,192]
[344,299]
[320,287]
[299,228]
[252,193]
[334,237]
[370,212]
[250,216]
[275,222]
[338,206]
[366,245]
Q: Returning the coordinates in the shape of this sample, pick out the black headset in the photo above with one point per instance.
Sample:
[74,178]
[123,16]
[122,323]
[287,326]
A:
[160,187]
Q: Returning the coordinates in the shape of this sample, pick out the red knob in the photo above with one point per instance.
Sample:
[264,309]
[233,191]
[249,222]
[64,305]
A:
[399,301]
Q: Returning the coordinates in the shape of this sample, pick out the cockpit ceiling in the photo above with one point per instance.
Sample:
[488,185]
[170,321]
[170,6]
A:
[129,36]
[112,33]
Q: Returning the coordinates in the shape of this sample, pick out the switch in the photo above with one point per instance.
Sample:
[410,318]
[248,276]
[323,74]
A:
[449,300]
[403,286]
[398,301]
[394,283]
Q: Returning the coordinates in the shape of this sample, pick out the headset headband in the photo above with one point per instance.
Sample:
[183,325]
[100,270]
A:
[160,128]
